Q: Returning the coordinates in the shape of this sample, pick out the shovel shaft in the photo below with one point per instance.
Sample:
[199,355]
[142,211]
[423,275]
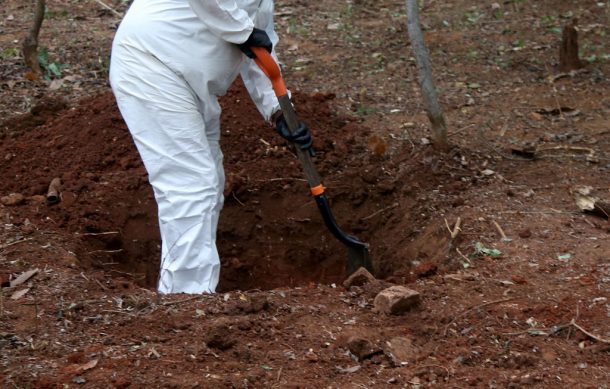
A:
[266,62]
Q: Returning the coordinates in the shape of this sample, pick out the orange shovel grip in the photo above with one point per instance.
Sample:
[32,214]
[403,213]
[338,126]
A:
[266,62]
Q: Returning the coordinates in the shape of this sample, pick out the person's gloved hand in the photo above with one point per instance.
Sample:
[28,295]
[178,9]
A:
[301,137]
[258,38]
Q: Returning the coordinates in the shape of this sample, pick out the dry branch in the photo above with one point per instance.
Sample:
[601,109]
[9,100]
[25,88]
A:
[590,335]
[109,8]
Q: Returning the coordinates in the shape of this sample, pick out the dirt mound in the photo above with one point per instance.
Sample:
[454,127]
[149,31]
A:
[270,233]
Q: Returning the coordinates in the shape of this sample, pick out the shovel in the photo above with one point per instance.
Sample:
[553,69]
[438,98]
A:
[358,252]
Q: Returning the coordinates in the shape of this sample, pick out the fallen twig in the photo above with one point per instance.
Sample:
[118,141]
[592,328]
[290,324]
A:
[380,211]
[116,311]
[109,8]
[456,228]
[99,233]
[168,303]
[421,368]
[539,331]
[236,199]
[282,179]
[15,242]
[477,307]
[590,335]
[463,256]
[105,251]
[459,130]
[23,277]
[500,230]
[100,284]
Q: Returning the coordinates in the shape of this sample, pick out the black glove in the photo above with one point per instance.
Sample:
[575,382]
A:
[301,137]
[258,38]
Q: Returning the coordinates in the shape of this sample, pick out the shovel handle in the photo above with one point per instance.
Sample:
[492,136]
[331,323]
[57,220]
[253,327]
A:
[268,65]
[265,61]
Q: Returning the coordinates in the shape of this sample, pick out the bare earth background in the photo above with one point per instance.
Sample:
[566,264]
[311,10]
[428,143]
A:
[529,310]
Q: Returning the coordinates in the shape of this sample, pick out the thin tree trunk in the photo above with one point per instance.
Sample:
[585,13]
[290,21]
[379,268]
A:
[431,104]
[30,43]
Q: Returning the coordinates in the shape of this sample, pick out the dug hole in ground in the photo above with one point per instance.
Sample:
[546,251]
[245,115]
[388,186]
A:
[515,294]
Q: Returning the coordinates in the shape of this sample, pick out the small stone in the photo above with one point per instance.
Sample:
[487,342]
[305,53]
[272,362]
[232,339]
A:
[362,348]
[311,356]
[12,199]
[396,300]
[358,278]
[525,233]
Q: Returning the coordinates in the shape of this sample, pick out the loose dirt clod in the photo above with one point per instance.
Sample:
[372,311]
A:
[12,199]
[362,348]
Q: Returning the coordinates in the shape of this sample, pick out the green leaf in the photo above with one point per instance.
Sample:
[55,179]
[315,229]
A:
[54,68]
[564,257]
[480,249]
[266,367]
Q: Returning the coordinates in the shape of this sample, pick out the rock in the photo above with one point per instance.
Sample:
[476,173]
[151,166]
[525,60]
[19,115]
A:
[396,300]
[400,350]
[362,348]
[12,199]
[525,233]
[358,278]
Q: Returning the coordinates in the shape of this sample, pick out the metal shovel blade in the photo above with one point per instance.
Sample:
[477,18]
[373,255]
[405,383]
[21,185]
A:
[358,252]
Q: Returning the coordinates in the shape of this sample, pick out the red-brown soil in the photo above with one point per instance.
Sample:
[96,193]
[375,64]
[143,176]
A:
[535,315]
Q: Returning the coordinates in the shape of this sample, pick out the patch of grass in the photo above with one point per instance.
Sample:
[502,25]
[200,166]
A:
[363,110]
[61,14]
[10,52]
[472,54]
[503,63]
[474,17]
[296,28]
[551,24]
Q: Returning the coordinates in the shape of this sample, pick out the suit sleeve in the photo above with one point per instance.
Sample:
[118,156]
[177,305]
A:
[256,82]
[224,19]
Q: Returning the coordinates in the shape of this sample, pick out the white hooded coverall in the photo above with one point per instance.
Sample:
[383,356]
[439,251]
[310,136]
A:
[170,60]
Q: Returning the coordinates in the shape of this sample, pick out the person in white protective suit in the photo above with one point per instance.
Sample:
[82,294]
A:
[170,61]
